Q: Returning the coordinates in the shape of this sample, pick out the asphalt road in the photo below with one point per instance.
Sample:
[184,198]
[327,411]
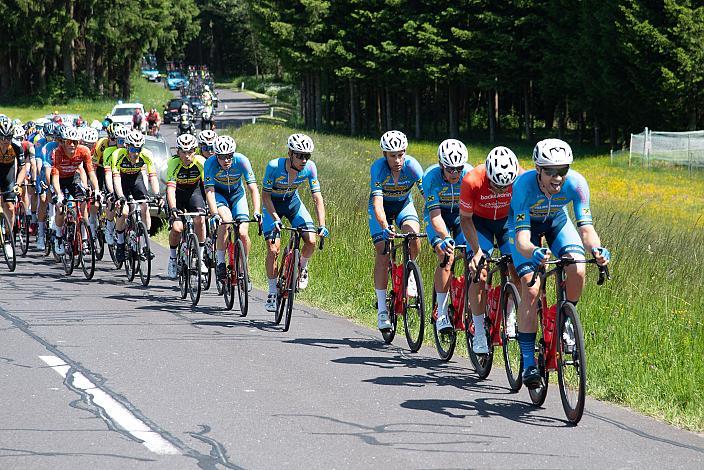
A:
[108,374]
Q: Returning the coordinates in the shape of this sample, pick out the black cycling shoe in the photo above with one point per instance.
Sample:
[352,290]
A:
[221,271]
[120,252]
[531,377]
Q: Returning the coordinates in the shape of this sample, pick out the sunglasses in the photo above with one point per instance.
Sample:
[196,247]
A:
[453,170]
[134,149]
[225,157]
[71,142]
[302,156]
[120,141]
[207,148]
[5,139]
[553,171]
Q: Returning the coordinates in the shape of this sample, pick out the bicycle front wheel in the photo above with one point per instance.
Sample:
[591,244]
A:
[513,359]
[21,228]
[8,244]
[209,260]
[414,309]
[571,363]
[130,261]
[86,251]
[445,341]
[69,256]
[143,254]
[538,395]
[282,287]
[227,286]
[292,286]
[389,334]
[241,277]
[100,240]
[182,269]
[194,274]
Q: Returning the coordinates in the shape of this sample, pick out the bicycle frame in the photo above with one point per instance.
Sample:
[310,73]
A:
[398,273]
[494,294]
[458,289]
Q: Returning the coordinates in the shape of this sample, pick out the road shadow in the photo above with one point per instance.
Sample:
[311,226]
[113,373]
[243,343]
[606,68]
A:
[340,343]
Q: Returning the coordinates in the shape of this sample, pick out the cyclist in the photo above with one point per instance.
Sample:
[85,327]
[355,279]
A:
[89,138]
[280,196]
[43,151]
[539,206]
[138,120]
[392,178]
[226,173]
[12,169]
[153,121]
[441,186]
[184,192]
[127,167]
[117,134]
[484,204]
[206,142]
[67,159]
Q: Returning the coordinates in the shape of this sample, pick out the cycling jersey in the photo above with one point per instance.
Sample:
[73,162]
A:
[230,181]
[184,177]
[382,181]
[439,193]
[276,180]
[107,157]
[10,161]
[476,196]
[13,154]
[99,151]
[65,166]
[122,164]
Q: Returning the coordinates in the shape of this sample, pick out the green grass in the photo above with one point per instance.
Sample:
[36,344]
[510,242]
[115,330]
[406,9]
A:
[149,94]
[644,330]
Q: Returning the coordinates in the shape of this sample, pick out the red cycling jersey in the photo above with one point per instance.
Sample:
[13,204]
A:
[477,197]
[66,166]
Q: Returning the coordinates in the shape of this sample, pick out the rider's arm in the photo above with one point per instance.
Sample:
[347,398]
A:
[171,196]
[210,200]
[117,184]
[376,184]
[171,172]
[267,188]
[523,243]
[319,207]
[469,230]
[317,196]
[378,207]
[254,194]
[438,223]
[154,183]
[269,205]
[590,238]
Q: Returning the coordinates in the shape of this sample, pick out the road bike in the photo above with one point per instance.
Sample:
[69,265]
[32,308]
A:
[289,272]
[236,266]
[138,254]
[188,259]
[78,241]
[561,343]
[500,322]
[445,341]
[22,221]
[399,301]
[7,239]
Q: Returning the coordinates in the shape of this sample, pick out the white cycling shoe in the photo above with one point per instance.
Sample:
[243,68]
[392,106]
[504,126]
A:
[383,322]
[303,279]
[412,289]
[270,304]
[479,345]
[171,270]
[443,325]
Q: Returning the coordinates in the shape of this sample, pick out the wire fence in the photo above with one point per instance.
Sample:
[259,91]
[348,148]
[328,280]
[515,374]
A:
[659,148]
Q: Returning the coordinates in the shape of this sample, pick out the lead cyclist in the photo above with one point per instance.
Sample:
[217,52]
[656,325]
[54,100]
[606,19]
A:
[539,206]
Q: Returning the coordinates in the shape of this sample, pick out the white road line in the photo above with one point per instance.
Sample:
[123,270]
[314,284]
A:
[117,412]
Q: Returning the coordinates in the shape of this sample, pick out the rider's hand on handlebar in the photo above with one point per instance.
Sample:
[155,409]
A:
[323,231]
[258,217]
[447,246]
[277,226]
[602,255]
[388,233]
[540,256]
[214,222]
[474,262]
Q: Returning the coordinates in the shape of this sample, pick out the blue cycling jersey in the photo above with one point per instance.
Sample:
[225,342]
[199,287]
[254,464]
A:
[276,180]
[440,194]
[382,181]
[530,206]
[231,181]
[45,152]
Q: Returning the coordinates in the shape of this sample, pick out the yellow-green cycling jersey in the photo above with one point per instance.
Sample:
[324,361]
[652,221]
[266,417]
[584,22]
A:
[122,164]
[180,176]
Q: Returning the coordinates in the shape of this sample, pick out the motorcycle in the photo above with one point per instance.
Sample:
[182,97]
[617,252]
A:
[206,118]
[185,125]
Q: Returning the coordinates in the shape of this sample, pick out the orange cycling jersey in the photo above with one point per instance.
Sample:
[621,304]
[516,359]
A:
[65,166]
[477,197]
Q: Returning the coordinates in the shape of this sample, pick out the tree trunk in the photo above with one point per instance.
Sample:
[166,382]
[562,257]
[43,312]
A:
[453,128]
[379,124]
[491,103]
[303,98]
[126,90]
[526,112]
[67,51]
[4,72]
[90,64]
[318,103]
[387,106]
[416,105]
[597,137]
[353,107]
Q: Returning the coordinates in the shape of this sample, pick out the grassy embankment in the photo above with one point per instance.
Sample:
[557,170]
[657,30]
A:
[645,333]
[149,94]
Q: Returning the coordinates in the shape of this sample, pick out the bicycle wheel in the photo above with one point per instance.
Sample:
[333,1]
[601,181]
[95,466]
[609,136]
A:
[100,240]
[143,254]
[281,284]
[389,334]
[209,260]
[8,242]
[21,228]
[446,341]
[182,269]
[513,359]
[571,363]
[227,288]
[481,362]
[241,277]
[86,250]
[292,286]
[130,261]
[48,239]
[111,250]
[414,309]
[194,274]
[538,395]
[69,256]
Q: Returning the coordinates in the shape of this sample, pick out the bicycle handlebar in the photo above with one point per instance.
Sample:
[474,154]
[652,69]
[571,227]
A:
[305,230]
[446,259]
[403,236]
[603,270]
[238,222]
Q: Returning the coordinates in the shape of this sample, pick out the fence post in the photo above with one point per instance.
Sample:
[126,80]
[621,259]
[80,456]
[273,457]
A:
[689,154]
[271,112]
[643,162]
[242,87]
[254,120]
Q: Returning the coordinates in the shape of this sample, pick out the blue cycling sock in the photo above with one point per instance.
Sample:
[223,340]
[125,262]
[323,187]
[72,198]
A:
[527,343]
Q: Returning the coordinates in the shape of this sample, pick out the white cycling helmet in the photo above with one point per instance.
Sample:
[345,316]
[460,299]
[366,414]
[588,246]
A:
[300,143]
[225,145]
[90,135]
[135,139]
[207,137]
[186,142]
[501,166]
[393,141]
[18,133]
[552,152]
[70,133]
[121,132]
[6,127]
[452,153]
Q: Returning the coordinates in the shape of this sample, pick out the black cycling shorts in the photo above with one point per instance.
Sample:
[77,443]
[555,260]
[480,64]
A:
[8,179]
[190,200]
[134,187]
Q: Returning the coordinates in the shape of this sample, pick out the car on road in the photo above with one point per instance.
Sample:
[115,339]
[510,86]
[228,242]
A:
[122,113]
[172,110]
[160,150]
[175,80]
[151,74]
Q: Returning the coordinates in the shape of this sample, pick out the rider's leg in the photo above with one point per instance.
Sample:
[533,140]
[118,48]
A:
[381,274]
[120,224]
[8,208]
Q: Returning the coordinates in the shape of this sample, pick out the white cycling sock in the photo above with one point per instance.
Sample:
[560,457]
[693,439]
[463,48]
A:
[272,286]
[110,225]
[220,256]
[478,325]
[304,262]
[121,237]
[41,229]
[172,253]
[442,304]
[200,250]
[57,231]
[380,299]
